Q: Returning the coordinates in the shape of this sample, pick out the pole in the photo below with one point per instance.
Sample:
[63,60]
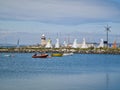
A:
[107,37]
[107,30]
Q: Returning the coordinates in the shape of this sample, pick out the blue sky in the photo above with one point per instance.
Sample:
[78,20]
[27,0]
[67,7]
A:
[64,16]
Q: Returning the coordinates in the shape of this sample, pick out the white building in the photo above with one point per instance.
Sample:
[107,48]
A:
[43,40]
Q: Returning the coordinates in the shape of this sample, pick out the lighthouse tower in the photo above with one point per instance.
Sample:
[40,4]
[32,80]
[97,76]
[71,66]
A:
[43,40]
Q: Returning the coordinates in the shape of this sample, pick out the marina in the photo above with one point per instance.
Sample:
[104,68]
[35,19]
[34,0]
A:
[59,44]
[47,46]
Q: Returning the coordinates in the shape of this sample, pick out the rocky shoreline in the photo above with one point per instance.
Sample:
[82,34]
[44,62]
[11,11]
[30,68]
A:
[62,50]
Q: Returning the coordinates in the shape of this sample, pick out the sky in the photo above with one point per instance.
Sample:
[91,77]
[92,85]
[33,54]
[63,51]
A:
[29,19]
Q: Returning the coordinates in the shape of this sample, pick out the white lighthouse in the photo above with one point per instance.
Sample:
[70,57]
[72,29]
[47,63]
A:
[43,40]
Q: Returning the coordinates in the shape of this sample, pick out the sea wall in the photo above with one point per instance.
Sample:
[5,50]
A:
[62,50]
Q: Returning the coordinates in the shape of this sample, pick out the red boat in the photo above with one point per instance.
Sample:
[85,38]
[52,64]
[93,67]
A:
[40,56]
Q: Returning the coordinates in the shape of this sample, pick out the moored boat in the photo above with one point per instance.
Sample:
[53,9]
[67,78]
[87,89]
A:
[67,54]
[57,54]
[9,55]
[40,56]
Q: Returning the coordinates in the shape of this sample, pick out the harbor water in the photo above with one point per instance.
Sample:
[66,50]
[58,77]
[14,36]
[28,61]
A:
[76,72]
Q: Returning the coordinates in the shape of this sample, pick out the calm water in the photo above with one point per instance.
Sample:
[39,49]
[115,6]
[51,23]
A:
[77,72]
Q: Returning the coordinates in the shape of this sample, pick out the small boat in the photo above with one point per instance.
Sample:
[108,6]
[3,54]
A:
[8,55]
[40,56]
[67,54]
[57,54]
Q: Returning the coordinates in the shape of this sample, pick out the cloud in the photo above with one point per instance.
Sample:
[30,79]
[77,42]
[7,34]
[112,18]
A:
[54,16]
[59,11]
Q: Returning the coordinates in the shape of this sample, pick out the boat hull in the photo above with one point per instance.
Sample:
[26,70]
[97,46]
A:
[56,54]
[67,54]
[40,56]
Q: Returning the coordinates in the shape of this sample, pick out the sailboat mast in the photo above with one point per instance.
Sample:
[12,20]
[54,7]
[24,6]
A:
[18,43]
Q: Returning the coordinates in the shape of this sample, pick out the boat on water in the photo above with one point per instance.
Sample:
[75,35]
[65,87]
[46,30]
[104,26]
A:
[57,54]
[40,56]
[67,54]
[9,55]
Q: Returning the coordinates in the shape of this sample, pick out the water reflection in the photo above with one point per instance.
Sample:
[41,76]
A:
[107,81]
[89,81]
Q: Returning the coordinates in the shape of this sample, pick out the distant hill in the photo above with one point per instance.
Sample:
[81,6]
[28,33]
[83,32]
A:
[9,45]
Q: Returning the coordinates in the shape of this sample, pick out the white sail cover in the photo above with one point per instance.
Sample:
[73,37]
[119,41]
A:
[101,43]
[84,45]
[57,45]
[48,45]
[65,44]
[74,43]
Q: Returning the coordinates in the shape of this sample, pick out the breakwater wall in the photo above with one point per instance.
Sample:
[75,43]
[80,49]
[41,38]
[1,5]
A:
[62,50]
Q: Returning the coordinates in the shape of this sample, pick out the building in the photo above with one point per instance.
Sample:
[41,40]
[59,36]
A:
[43,40]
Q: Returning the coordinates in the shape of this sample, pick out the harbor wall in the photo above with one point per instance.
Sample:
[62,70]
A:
[62,50]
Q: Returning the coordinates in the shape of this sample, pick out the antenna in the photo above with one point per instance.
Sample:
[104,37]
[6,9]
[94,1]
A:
[107,28]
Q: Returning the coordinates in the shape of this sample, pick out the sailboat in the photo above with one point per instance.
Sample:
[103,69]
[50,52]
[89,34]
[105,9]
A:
[74,43]
[101,44]
[48,45]
[73,46]
[84,45]
[57,54]
[65,44]
[57,45]
[18,43]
